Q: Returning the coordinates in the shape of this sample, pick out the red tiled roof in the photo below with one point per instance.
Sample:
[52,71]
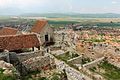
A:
[17,42]
[39,26]
[8,31]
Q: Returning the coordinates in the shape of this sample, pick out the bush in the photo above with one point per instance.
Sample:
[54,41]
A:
[5,77]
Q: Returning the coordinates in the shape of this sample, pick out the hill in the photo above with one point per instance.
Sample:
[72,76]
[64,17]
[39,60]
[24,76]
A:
[78,15]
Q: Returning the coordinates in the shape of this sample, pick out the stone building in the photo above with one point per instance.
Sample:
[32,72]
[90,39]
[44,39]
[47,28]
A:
[45,33]
[19,42]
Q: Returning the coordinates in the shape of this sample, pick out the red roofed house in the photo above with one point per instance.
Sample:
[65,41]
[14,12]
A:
[19,42]
[8,31]
[42,28]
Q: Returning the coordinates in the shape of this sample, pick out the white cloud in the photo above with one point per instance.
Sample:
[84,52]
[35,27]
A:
[4,3]
[20,3]
[114,2]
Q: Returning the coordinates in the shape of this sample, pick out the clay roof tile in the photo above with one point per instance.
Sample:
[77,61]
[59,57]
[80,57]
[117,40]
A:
[39,25]
[16,42]
[8,31]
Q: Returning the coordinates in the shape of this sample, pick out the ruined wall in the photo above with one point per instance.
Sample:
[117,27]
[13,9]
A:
[30,61]
[75,60]
[27,55]
[93,63]
[39,63]
[37,60]
[4,56]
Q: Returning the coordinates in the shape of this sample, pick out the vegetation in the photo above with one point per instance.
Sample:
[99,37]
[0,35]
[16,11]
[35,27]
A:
[63,59]
[67,56]
[62,22]
[116,40]
[85,60]
[5,77]
[29,76]
[95,40]
[72,15]
[92,69]
[56,76]
[108,24]
[43,78]
[111,72]
[107,70]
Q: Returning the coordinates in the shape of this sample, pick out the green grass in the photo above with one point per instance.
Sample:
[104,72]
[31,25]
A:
[56,76]
[71,65]
[85,60]
[95,40]
[29,76]
[5,77]
[67,56]
[62,22]
[116,40]
[111,72]
[108,24]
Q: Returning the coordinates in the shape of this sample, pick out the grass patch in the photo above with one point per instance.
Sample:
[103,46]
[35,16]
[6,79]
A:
[110,72]
[95,40]
[67,56]
[85,60]
[29,76]
[5,77]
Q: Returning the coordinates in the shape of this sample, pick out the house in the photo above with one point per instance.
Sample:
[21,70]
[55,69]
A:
[19,42]
[43,30]
[8,31]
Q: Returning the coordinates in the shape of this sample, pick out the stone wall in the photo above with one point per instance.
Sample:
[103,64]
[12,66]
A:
[93,63]
[37,60]
[39,63]
[4,56]
[47,30]
[76,60]
[27,55]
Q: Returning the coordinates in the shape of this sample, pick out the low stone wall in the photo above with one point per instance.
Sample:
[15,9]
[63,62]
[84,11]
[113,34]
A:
[27,55]
[76,60]
[37,60]
[93,63]
[5,56]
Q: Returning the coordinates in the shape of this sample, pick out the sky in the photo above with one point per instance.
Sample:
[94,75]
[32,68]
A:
[17,7]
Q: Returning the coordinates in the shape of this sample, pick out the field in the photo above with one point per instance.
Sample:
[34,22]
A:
[100,22]
[86,19]
[107,70]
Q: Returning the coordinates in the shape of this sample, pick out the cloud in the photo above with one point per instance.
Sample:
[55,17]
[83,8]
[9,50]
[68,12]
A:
[44,6]
[4,3]
[114,2]
[20,3]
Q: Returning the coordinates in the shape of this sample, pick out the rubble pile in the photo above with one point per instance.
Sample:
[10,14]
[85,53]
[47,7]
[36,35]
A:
[7,67]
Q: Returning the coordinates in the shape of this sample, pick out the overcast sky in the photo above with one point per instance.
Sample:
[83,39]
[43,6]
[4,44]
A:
[58,6]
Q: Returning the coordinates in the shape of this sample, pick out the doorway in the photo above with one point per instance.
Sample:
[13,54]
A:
[46,38]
